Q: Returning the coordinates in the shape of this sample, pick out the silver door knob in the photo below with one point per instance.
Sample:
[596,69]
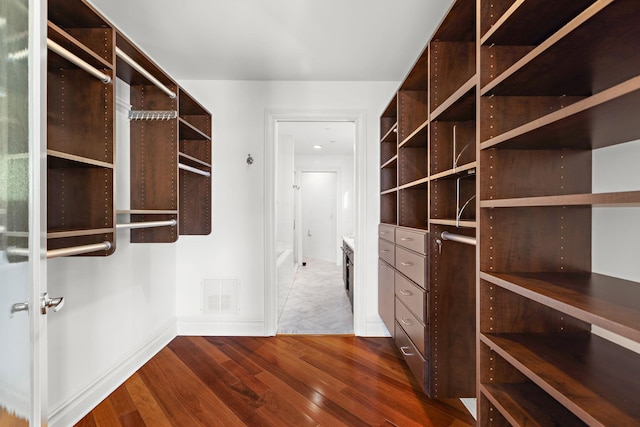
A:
[47,303]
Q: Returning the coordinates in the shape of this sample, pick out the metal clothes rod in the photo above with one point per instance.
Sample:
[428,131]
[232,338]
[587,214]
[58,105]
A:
[467,240]
[194,170]
[126,58]
[15,251]
[147,224]
[106,79]
[152,115]
[77,250]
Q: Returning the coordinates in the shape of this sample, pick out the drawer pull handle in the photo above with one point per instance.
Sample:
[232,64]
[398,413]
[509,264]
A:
[406,321]
[405,292]
[406,239]
[406,351]
[384,251]
[406,264]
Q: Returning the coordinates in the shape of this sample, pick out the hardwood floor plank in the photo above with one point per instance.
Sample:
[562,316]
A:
[297,381]
[148,408]
[238,397]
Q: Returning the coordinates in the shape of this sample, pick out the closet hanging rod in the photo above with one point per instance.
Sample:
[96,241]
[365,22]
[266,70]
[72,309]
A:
[147,224]
[126,58]
[15,251]
[78,250]
[194,170]
[106,79]
[152,115]
[467,240]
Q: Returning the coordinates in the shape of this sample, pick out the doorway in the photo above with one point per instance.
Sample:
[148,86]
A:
[316,209]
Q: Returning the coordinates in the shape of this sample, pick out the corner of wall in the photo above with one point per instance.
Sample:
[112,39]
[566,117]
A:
[72,411]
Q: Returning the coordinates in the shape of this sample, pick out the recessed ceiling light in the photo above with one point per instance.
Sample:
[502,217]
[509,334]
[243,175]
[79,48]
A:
[317,147]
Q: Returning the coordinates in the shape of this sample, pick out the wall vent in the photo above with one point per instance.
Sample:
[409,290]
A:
[220,296]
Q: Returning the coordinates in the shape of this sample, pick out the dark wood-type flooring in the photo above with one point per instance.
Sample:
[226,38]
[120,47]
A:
[275,381]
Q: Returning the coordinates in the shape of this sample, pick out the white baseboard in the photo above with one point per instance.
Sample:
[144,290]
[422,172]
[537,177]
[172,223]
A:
[72,411]
[375,328]
[207,326]
[470,404]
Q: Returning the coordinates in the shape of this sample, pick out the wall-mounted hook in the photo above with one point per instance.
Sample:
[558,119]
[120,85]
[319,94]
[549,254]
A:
[249,159]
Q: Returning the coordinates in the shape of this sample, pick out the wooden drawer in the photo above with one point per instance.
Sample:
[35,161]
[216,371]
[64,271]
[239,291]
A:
[414,297]
[387,251]
[386,232]
[386,298]
[416,240]
[412,356]
[412,265]
[411,325]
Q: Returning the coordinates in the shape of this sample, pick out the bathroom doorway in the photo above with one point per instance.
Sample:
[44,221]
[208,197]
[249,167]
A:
[315,190]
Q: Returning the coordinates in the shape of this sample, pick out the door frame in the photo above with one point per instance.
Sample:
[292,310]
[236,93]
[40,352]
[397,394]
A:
[299,234]
[272,117]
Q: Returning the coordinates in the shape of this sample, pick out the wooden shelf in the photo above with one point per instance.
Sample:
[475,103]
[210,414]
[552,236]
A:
[610,56]
[588,375]
[460,106]
[392,135]
[601,120]
[190,132]
[389,119]
[453,223]
[53,234]
[620,199]
[147,212]
[76,47]
[418,138]
[463,170]
[608,302]
[525,404]
[64,160]
[527,22]
[415,183]
[194,160]
[392,163]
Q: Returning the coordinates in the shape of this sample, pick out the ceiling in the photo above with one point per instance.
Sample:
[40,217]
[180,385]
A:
[335,138]
[324,40]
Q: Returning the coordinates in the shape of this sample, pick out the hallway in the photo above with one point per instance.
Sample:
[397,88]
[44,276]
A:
[317,302]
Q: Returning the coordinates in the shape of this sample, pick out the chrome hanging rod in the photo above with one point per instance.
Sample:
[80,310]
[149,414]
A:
[194,170]
[152,115]
[467,240]
[14,251]
[78,250]
[126,58]
[106,79]
[147,224]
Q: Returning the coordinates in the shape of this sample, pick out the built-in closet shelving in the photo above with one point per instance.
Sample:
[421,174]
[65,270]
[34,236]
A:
[427,278]
[80,131]
[170,140]
[195,159]
[153,144]
[558,81]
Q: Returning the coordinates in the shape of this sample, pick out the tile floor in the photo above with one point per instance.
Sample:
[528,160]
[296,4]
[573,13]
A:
[317,302]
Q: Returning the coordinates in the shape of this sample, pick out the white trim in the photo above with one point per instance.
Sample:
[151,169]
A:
[72,411]
[376,328]
[471,404]
[272,116]
[208,326]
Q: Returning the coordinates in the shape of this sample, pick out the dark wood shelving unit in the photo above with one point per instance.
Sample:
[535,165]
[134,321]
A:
[194,151]
[433,317]
[558,82]
[80,129]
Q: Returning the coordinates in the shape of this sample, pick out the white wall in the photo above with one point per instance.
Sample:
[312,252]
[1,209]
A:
[236,246]
[284,194]
[119,310]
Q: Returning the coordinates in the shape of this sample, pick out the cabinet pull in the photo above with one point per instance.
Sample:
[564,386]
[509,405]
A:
[405,292]
[406,321]
[384,251]
[405,351]
[406,264]
[406,239]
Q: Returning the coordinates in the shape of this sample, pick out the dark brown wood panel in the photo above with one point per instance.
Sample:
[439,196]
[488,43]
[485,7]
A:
[277,381]
[452,65]
[413,207]
[389,208]
[412,164]
[442,147]
[389,176]
[494,60]
[154,234]
[532,173]
[443,198]
[389,117]
[459,24]
[452,324]
[412,112]
[195,203]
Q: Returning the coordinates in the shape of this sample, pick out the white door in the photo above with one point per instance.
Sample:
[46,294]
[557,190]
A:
[22,328]
[319,192]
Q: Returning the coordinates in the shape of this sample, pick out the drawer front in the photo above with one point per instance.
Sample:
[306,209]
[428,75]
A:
[387,251]
[386,232]
[411,295]
[386,299]
[411,325]
[411,356]
[412,239]
[412,265]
